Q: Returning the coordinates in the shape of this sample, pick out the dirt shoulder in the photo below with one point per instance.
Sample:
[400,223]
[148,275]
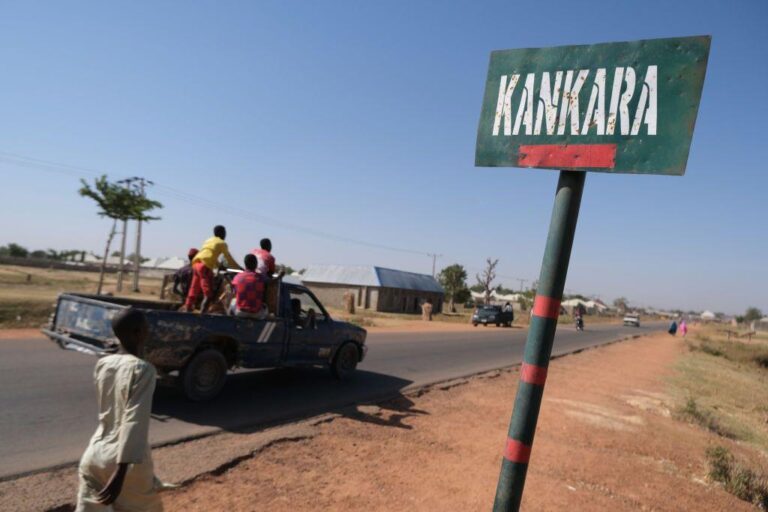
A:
[607,441]
[24,333]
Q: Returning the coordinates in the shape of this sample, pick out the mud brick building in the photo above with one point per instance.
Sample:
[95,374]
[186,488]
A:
[375,288]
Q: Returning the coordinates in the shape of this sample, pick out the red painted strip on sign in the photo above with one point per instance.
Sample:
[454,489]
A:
[602,156]
[533,374]
[546,307]
[515,451]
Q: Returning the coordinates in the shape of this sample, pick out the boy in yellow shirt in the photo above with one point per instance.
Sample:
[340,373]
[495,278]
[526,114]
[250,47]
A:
[203,266]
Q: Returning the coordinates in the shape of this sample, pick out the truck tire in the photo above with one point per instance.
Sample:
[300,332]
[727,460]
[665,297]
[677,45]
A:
[204,375]
[345,361]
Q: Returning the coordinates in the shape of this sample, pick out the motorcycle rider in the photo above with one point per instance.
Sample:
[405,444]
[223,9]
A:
[578,315]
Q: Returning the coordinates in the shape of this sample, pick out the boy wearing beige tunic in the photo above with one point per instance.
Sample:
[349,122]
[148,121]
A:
[116,468]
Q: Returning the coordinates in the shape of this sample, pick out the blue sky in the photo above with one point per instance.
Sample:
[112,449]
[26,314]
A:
[358,119]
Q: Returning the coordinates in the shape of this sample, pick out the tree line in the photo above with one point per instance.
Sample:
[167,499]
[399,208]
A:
[15,250]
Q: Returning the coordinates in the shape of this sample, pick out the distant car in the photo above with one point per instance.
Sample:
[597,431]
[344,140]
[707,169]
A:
[492,315]
[632,319]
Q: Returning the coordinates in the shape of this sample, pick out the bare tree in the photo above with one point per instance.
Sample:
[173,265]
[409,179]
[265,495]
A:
[486,277]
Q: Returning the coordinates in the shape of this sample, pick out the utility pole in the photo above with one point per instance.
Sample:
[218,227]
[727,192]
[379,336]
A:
[137,253]
[522,284]
[121,268]
[434,262]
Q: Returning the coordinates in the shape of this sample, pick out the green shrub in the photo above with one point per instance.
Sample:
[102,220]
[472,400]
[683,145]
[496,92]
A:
[691,412]
[738,480]
[720,462]
[710,349]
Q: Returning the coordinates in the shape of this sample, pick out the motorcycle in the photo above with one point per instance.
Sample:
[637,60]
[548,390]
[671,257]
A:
[579,324]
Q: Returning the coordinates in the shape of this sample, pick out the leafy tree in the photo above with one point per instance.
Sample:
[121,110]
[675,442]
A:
[132,257]
[504,291]
[486,277]
[752,314]
[621,304]
[38,254]
[453,278]
[462,296]
[289,270]
[118,203]
[14,251]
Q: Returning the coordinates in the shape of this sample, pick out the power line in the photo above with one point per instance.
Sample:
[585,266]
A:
[78,171]
[73,170]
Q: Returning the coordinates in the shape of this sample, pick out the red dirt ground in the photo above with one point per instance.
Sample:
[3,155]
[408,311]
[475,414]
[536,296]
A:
[605,442]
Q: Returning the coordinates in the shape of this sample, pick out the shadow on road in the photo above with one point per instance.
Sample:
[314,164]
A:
[254,399]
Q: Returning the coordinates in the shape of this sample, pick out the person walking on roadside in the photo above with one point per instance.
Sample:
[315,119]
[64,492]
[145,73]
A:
[672,328]
[426,310]
[683,328]
[204,264]
[116,468]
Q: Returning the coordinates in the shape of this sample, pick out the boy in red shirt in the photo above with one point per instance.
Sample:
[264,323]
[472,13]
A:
[249,291]
[266,263]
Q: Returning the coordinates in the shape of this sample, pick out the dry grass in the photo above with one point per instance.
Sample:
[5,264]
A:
[368,318]
[27,294]
[723,386]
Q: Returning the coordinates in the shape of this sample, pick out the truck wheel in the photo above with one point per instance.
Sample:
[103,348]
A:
[345,361]
[204,375]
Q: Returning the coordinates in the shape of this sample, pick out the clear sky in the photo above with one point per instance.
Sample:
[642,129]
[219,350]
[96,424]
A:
[358,120]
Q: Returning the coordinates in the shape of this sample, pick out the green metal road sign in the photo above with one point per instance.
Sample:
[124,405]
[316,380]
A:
[614,107]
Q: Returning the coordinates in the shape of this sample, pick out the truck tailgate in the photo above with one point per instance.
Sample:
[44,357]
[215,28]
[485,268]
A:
[84,324]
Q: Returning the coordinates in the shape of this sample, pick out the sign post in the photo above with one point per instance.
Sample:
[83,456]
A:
[615,108]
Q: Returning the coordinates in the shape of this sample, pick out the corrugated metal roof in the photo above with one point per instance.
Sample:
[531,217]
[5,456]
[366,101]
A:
[369,275]
[407,280]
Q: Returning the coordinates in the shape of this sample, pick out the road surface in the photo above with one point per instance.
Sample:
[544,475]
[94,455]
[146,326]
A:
[48,404]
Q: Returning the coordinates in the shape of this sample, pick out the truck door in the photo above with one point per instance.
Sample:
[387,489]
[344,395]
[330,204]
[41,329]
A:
[266,341]
[311,336]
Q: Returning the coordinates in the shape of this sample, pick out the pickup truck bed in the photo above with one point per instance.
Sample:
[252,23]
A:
[202,348]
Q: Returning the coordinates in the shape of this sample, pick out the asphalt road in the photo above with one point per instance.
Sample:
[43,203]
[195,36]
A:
[48,406]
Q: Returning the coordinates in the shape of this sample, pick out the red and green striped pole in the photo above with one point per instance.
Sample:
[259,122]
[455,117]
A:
[538,347]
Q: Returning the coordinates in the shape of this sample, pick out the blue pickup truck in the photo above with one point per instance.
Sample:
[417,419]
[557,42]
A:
[197,351]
